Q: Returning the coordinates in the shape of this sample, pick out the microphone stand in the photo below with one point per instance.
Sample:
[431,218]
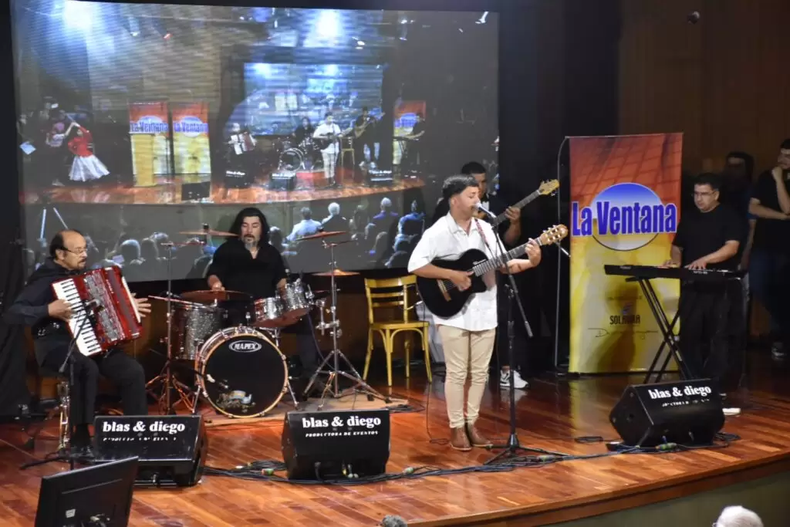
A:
[64,452]
[513,447]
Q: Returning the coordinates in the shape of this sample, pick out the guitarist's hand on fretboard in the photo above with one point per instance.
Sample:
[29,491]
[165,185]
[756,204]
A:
[533,252]
[513,214]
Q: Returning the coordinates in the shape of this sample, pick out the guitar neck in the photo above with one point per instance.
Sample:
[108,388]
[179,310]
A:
[503,217]
[495,263]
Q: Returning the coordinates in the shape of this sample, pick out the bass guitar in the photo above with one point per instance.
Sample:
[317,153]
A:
[546,188]
[359,130]
[442,297]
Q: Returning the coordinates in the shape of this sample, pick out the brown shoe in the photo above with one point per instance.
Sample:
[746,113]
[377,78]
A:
[458,439]
[476,437]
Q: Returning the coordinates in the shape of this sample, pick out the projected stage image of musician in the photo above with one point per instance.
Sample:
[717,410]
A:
[163,118]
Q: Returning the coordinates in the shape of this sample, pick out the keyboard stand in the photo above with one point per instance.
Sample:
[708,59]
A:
[670,339]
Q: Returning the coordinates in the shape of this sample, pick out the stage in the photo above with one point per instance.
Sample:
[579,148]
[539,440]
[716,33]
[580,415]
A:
[551,414]
[172,192]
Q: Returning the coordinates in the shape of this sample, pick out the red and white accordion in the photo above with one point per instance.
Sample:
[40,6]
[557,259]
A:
[114,310]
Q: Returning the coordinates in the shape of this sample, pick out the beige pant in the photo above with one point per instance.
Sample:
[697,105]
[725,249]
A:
[465,351]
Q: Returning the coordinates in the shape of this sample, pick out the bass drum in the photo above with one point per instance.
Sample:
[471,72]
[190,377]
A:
[292,159]
[242,372]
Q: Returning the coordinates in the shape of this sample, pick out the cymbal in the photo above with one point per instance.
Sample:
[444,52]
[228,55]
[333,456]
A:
[322,235]
[184,244]
[209,232]
[337,273]
[211,296]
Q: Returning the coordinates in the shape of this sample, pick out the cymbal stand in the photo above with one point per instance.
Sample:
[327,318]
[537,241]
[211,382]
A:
[332,386]
[276,334]
[165,377]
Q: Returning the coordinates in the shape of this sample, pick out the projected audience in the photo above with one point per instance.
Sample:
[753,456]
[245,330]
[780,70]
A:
[144,257]
[306,227]
[334,222]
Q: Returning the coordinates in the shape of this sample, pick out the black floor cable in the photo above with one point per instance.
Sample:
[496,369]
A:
[266,470]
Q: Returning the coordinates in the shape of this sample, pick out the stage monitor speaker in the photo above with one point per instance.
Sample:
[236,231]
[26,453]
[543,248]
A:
[195,191]
[285,180]
[333,445]
[171,449]
[683,412]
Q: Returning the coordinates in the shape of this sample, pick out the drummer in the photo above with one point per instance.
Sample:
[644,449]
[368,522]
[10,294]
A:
[250,264]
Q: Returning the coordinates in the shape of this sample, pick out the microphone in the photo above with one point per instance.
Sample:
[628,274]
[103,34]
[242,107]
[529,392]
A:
[485,211]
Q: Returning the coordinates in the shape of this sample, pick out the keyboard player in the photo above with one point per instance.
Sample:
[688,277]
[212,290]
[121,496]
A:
[708,238]
[48,318]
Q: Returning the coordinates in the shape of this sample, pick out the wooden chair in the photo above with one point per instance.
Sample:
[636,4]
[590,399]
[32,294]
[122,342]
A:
[393,293]
[347,147]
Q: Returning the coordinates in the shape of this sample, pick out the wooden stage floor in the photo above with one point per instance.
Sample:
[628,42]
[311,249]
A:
[550,415]
[169,193]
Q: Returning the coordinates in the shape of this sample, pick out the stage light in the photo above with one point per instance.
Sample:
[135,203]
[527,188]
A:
[482,18]
[330,70]
[78,14]
[263,69]
[360,43]
[404,32]
[328,24]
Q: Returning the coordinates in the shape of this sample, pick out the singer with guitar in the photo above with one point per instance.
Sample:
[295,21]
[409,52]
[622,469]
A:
[327,136]
[508,224]
[468,335]
[37,307]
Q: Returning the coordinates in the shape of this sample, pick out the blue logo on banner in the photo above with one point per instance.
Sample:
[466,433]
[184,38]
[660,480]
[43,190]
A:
[624,217]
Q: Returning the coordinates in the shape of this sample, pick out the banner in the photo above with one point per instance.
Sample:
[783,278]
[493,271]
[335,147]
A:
[625,209]
[149,131]
[190,140]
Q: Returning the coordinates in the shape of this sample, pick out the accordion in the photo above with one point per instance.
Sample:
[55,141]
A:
[112,317]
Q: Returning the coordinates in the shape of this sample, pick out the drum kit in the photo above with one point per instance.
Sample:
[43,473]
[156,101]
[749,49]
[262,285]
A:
[302,156]
[230,343]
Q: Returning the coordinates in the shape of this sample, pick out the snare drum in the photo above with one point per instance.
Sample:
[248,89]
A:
[242,373]
[192,325]
[269,313]
[298,299]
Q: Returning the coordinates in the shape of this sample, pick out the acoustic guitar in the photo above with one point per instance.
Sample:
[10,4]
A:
[442,297]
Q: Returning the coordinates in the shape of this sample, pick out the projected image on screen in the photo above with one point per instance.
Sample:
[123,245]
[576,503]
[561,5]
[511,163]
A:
[279,96]
[142,124]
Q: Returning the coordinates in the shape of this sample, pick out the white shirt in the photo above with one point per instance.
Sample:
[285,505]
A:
[324,130]
[446,240]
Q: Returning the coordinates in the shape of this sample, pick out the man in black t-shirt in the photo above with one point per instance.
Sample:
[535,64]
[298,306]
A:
[250,264]
[365,135]
[770,260]
[708,238]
